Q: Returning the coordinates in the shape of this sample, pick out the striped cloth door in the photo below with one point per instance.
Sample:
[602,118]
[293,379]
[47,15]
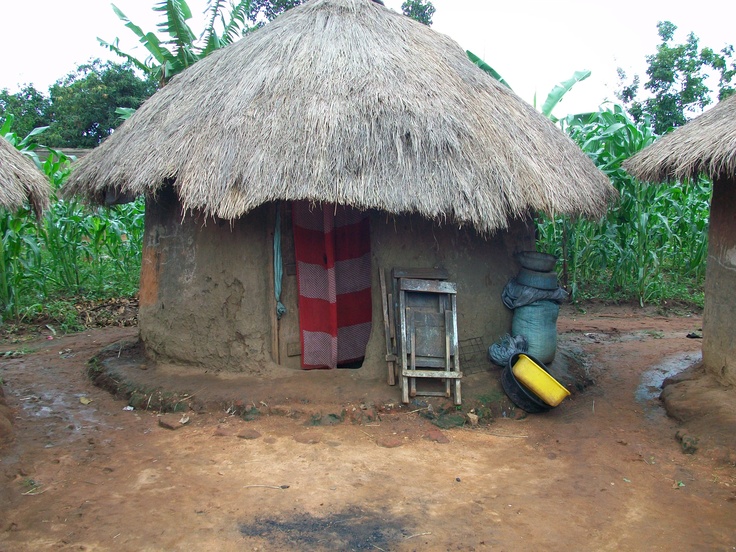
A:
[333,267]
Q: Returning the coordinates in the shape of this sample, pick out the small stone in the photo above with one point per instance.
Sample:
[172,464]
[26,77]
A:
[6,430]
[472,418]
[307,438]
[437,436]
[249,434]
[519,414]
[688,443]
[173,421]
[221,432]
[389,442]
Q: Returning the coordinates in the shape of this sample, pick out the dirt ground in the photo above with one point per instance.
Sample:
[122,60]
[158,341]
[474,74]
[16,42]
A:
[330,462]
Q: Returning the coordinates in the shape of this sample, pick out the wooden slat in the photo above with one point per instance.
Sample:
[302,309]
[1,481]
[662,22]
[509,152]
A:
[430,362]
[427,286]
[432,394]
[455,351]
[391,377]
[392,322]
[421,273]
[448,352]
[432,374]
[401,346]
[429,329]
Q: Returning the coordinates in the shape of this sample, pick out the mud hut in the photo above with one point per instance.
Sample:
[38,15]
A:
[21,181]
[340,119]
[707,145]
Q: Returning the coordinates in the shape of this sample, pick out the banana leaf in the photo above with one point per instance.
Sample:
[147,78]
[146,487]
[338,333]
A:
[487,68]
[556,94]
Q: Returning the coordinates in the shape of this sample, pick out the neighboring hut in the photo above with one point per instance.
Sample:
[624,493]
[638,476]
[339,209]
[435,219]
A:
[345,115]
[707,145]
[21,181]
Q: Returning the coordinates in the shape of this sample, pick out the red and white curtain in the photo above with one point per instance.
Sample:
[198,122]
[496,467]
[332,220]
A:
[333,267]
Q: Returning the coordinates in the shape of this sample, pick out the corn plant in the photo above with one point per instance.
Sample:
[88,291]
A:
[652,243]
[20,257]
[73,251]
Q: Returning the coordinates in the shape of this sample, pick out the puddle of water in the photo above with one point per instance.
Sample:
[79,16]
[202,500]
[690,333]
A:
[651,381]
[43,412]
[60,409]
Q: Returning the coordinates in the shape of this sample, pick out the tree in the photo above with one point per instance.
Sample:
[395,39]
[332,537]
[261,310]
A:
[180,48]
[29,108]
[420,10]
[83,104]
[678,75]
[269,9]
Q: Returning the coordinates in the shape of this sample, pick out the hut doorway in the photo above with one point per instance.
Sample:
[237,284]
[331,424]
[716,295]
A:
[333,269]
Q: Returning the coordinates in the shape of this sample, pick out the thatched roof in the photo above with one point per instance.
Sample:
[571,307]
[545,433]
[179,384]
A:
[20,180]
[705,145]
[347,102]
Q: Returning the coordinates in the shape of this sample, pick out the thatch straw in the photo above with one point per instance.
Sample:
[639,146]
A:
[706,145]
[347,102]
[20,180]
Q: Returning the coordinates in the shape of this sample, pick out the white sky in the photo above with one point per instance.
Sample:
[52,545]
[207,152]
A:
[533,44]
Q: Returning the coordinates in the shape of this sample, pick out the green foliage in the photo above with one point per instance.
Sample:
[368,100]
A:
[677,83]
[419,10]
[80,110]
[487,68]
[83,103]
[555,95]
[28,107]
[652,243]
[25,145]
[63,315]
[558,92]
[180,48]
[269,9]
[73,251]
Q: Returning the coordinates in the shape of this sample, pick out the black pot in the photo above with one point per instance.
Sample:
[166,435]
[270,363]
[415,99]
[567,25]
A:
[520,395]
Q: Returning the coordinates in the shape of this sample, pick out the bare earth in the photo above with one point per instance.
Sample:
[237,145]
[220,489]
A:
[603,471]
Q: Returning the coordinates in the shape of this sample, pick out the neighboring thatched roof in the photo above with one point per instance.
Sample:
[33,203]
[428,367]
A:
[706,145]
[20,180]
[347,102]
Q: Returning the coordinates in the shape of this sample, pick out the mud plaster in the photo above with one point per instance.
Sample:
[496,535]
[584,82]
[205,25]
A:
[209,297]
[719,323]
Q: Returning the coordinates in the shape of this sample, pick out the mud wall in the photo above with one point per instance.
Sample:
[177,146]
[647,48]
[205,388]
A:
[206,295]
[480,267]
[719,322]
[204,288]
